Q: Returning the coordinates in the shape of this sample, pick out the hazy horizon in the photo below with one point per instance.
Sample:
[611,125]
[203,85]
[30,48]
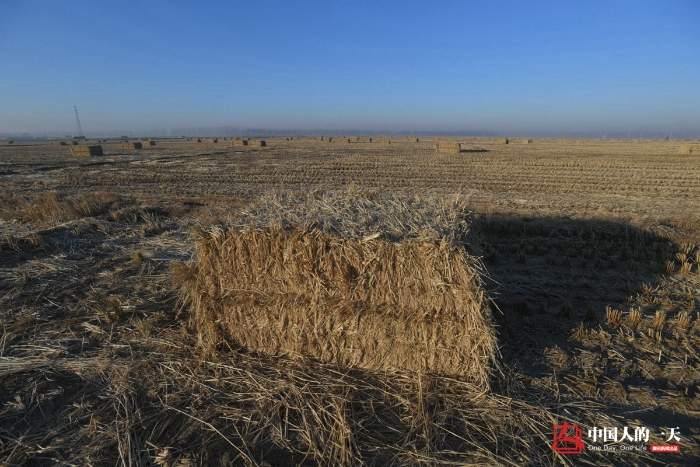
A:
[505,68]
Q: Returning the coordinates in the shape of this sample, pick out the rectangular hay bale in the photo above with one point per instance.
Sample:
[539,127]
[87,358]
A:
[689,149]
[86,151]
[377,305]
[448,147]
[131,145]
[257,143]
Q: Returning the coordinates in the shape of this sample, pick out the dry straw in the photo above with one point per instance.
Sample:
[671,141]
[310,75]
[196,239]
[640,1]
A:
[257,143]
[213,140]
[372,304]
[502,141]
[528,141]
[239,142]
[689,149]
[393,291]
[379,140]
[448,147]
[86,151]
[131,145]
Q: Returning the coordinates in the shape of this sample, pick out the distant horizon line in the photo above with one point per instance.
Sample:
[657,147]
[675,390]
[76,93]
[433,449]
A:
[233,131]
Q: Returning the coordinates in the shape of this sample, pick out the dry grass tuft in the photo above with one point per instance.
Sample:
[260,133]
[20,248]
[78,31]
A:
[613,317]
[659,320]
[375,304]
[684,320]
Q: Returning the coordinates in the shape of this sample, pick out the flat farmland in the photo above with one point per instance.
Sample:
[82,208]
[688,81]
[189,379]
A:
[587,252]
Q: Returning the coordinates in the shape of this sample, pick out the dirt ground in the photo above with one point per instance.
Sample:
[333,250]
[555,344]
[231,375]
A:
[590,252]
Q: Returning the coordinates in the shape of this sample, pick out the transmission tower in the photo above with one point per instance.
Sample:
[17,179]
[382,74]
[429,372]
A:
[77,120]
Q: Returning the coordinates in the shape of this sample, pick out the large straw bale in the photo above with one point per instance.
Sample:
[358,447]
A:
[502,141]
[147,142]
[239,142]
[257,143]
[131,145]
[689,149]
[213,140]
[447,146]
[372,304]
[86,151]
[528,141]
[379,140]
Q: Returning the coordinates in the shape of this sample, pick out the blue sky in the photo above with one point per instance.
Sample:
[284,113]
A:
[521,67]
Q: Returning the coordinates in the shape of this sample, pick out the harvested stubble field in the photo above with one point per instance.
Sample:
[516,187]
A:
[586,255]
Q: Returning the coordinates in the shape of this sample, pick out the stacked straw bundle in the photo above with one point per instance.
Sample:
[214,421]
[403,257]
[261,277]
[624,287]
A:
[86,151]
[257,143]
[379,140]
[197,140]
[131,145]
[528,141]
[148,142]
[239,142]
[502,141]
[448,146]
[689,149]
[213,140]
[373,304]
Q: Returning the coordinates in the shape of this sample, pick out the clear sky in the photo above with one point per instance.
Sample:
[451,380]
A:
[518,66]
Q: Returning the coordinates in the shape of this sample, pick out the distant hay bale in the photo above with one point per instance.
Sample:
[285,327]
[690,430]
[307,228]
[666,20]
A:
[213,140]
[689,149]
[503,141]
[10,141]
[379,140]
[58,143]
[257,143]
[375,304]
[86,151]
[448,147]
[239,142]
[131,145]
[528,141]
[148,142]
[196,140]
